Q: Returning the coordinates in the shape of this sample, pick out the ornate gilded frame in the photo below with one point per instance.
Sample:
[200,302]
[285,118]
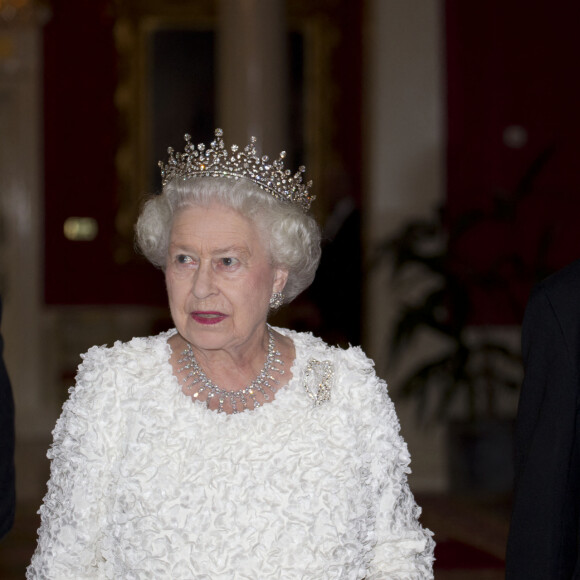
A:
[134,24]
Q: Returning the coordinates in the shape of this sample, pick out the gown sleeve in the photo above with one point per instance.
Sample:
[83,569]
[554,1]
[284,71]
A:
[82,454]
[404,549]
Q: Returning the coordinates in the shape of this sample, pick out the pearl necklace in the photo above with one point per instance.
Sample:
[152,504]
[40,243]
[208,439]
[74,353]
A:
[242,399]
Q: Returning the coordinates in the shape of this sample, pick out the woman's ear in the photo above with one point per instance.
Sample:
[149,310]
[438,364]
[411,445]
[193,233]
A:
[280,278]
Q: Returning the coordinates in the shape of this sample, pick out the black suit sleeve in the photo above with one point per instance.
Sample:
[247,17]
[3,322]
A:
[7,492]
[543,534]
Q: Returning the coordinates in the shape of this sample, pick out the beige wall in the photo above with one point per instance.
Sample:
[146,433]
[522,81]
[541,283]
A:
[404,154]
[28,354]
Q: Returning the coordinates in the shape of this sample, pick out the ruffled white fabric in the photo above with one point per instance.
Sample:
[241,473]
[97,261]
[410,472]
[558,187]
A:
[147,484]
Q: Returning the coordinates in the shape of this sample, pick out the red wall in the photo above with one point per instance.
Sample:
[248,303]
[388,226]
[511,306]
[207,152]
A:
[81,137]
[512,62]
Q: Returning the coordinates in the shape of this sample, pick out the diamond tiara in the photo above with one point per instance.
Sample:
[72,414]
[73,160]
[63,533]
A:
[218,161]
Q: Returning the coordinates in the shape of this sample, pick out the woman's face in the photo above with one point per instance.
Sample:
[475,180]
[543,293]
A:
[219,278]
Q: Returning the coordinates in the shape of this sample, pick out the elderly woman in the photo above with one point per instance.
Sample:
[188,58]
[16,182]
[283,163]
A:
[226,448]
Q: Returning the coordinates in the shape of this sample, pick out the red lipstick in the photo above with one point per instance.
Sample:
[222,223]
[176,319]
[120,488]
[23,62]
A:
[208,317]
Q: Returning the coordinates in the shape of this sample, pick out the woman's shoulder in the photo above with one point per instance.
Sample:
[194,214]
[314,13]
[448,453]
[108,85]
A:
[111,373]
[353,373]
[123,366]
[142,349]
[309,341]
[312,346]
[355,389]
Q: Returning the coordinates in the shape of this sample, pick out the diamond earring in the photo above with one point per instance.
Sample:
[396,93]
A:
[276,300]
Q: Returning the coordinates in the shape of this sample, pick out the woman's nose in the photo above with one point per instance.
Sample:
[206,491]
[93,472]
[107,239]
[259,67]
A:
[203,281]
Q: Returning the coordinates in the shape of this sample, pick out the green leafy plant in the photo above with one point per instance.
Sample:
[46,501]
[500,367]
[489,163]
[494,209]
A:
[473,365]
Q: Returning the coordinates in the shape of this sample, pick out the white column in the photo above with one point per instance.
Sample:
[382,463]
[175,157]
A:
[404,169]
[27,357]
[253,73]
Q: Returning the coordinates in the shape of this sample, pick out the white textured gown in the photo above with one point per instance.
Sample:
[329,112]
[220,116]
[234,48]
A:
[145,483]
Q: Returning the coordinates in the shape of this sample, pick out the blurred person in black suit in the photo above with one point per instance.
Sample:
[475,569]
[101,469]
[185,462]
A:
[544,534]
[7,491]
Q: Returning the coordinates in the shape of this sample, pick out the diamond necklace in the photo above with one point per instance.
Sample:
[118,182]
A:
[239,400]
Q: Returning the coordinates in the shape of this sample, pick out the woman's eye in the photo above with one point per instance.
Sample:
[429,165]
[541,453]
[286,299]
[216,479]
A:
[228,262]
[183,259]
